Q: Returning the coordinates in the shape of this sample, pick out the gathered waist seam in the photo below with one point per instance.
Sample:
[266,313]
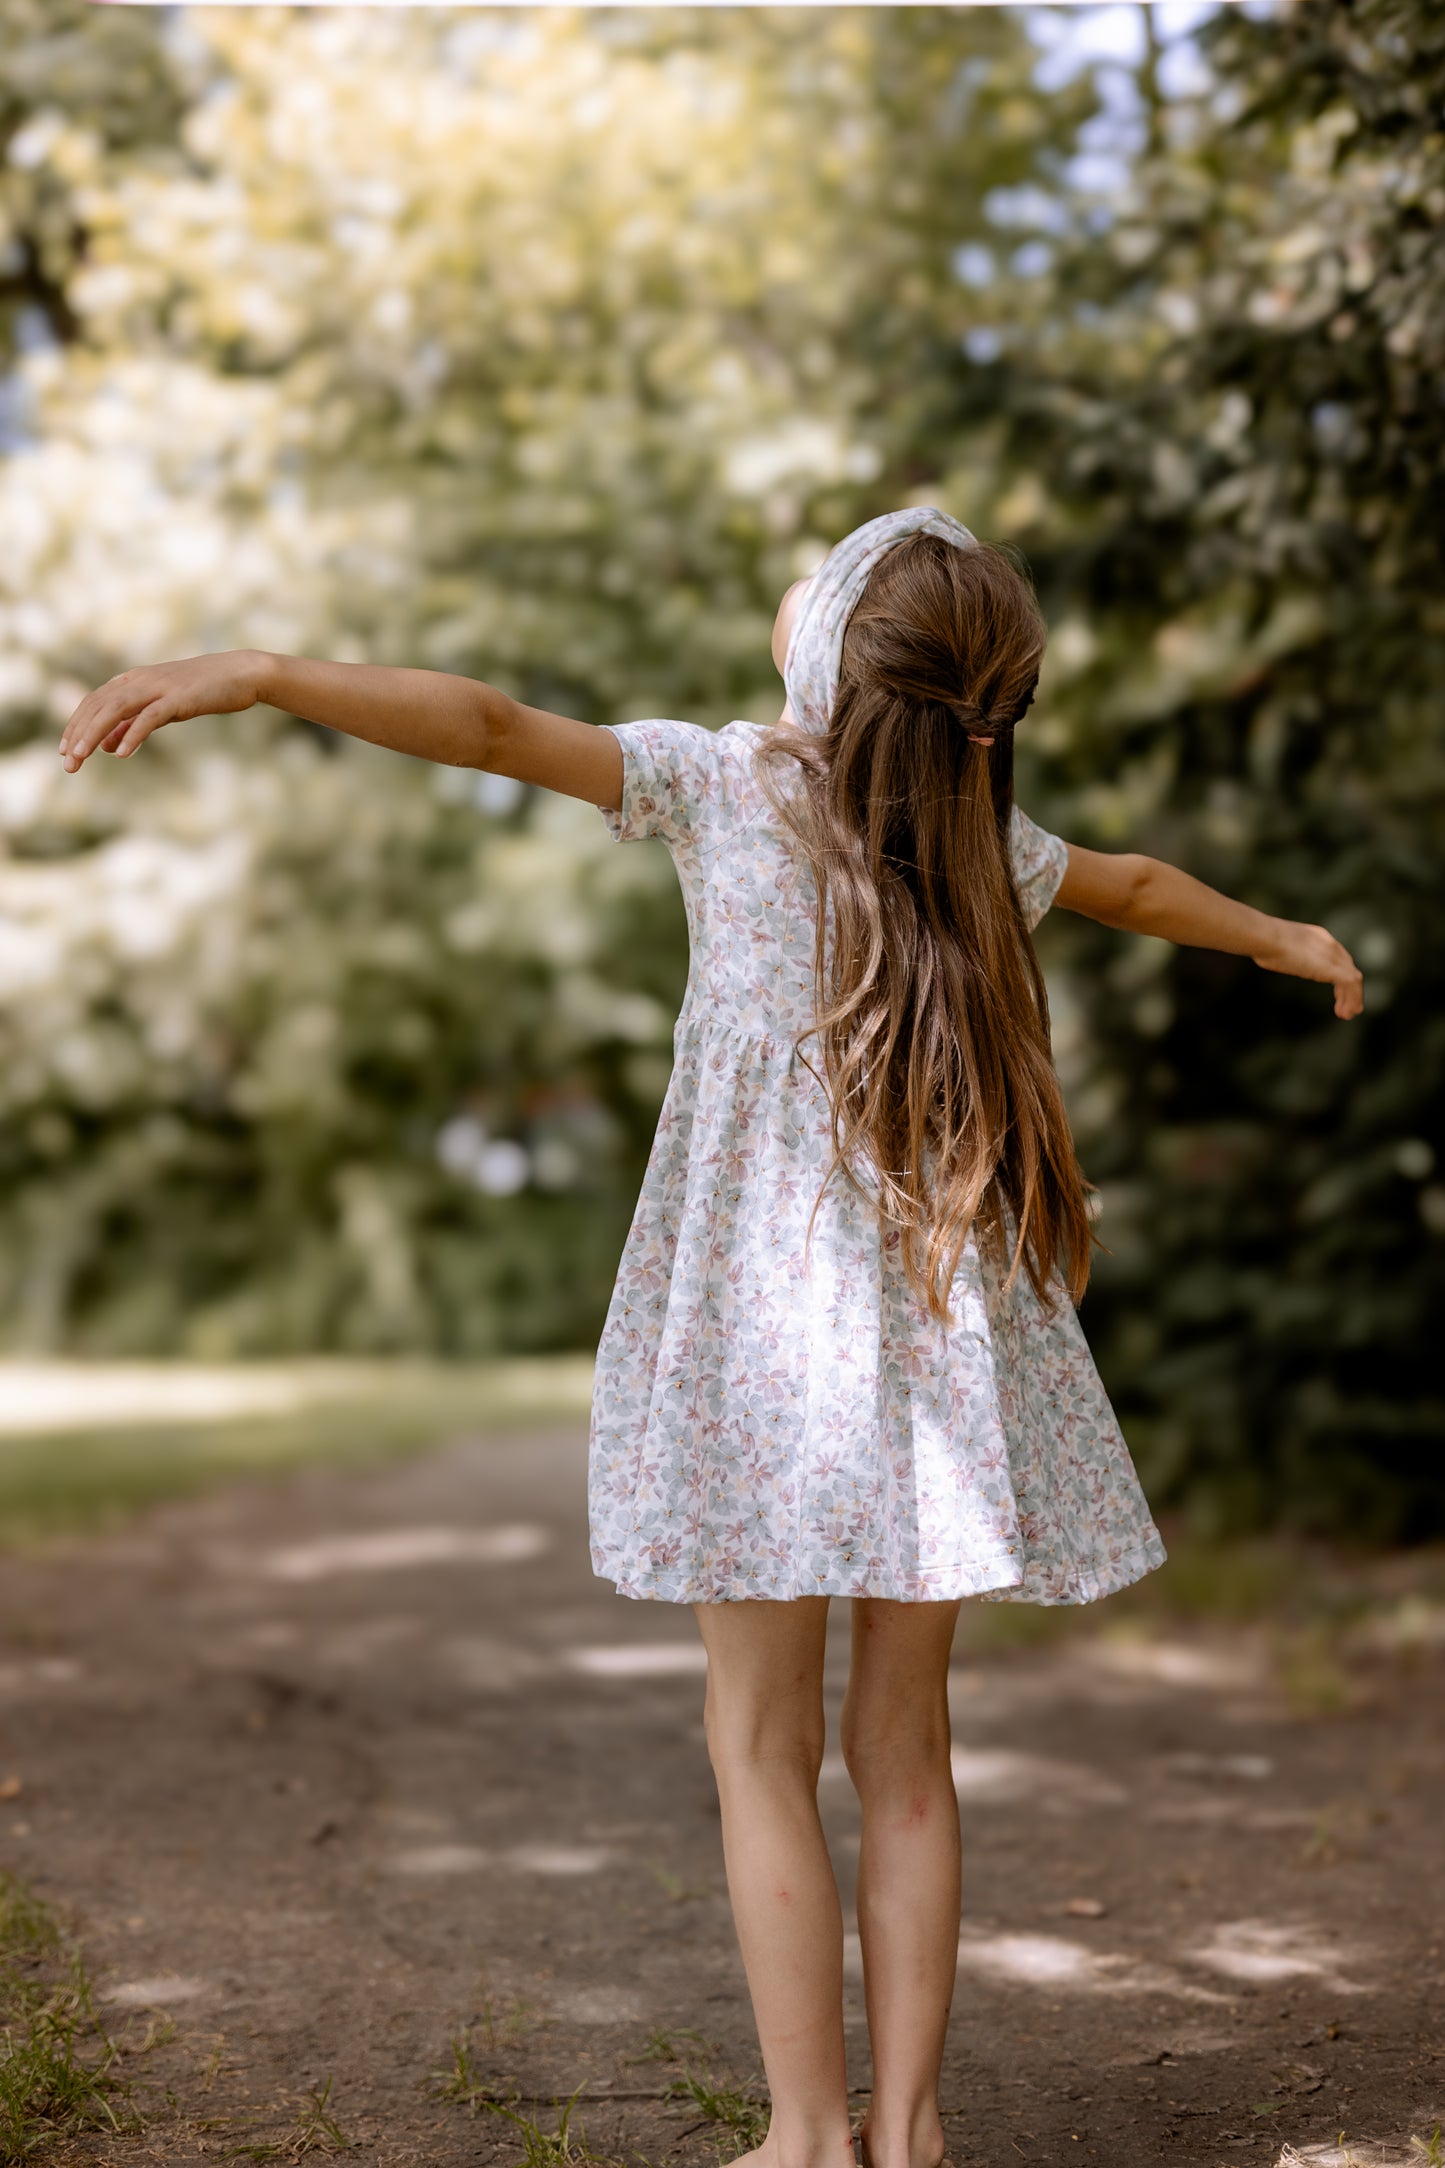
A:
[694,1025]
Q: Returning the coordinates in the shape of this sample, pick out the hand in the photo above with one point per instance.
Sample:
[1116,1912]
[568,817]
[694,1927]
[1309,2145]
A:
[121,714]
[1312,952]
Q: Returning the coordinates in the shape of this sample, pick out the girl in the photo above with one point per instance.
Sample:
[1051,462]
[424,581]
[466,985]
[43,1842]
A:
[842,1356]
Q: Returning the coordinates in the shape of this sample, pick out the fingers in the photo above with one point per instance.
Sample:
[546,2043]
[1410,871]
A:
[110,734]
[1329,959]
[96,720]
[117,717]
[141,726]
[1312,952]
[1349,981]
[105,729]
[1350,994]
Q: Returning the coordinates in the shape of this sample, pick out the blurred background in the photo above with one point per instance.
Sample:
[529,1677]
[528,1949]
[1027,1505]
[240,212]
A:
[549,346]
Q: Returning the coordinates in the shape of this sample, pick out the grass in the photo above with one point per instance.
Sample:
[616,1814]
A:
[84,1446]
[741,2113]
[1430,2152]
[545,2148]
[500,2023]
[59,2066]
[563,2147]
[315,2130]
[463,2081]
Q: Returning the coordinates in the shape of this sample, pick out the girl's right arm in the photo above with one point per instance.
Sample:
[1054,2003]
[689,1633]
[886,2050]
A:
[431,714]
[1143,895]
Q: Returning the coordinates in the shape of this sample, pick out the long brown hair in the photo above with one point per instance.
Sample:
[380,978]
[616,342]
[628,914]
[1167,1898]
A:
[932,1017]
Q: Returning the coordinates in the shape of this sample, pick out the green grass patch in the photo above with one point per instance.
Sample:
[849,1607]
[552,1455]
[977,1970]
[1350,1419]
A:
[59,2066]
[315,2130]
[744,2116]
[462,2079]
[68,1476]
[563,2146]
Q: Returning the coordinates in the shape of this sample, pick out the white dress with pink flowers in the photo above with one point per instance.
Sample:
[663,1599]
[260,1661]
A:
[766,1424]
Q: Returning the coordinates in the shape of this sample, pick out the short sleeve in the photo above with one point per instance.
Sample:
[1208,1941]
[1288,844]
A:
[671,781]
[1040,862]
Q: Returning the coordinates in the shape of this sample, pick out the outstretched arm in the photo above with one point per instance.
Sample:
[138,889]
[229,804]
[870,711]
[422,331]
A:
[1143,895]
[458,721]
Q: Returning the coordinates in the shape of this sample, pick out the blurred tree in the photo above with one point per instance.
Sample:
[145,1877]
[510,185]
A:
[1228,466]
[75,87]
[547,347]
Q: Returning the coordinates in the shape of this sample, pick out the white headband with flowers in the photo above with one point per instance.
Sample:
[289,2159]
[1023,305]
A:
[810,669]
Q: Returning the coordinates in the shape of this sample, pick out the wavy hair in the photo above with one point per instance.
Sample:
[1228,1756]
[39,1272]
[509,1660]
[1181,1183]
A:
[932,1015]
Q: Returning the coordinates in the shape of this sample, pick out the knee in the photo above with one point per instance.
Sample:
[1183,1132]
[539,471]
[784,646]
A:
[744,1735]
[892,1749]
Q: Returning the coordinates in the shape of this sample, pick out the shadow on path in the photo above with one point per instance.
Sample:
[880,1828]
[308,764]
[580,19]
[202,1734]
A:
[335,1769]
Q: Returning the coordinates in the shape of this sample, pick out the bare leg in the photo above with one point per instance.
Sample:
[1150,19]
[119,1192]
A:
[896,1745]
[764,1717]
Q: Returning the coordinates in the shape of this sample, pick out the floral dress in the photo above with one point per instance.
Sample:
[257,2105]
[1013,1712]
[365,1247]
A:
[770,1425]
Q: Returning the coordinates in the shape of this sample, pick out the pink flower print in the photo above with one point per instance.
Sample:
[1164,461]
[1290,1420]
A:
[737,1372]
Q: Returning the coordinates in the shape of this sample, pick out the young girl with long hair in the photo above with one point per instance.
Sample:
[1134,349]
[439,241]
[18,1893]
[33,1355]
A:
[842,1356]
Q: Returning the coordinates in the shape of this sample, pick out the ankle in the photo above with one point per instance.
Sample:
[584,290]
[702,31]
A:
[911,2139]
[807,2148]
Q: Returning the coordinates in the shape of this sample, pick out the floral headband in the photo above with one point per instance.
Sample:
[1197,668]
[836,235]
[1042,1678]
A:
[810,670]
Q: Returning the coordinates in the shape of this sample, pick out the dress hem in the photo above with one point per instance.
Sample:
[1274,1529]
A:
[1078,1584]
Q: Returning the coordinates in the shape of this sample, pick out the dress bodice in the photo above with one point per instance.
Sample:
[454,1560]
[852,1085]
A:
[750,896]
[775,1412]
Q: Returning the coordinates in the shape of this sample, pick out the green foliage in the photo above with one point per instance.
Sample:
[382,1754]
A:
[75,89]
[539,372]
[1241,535]
[548,347]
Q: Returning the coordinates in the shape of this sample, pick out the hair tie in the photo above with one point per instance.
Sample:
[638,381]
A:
[1005,725]
[990,727]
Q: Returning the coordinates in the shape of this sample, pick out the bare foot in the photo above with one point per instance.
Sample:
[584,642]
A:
[931,2155]
[768,2155]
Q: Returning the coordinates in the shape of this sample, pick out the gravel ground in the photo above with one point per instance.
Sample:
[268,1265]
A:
[335,1770]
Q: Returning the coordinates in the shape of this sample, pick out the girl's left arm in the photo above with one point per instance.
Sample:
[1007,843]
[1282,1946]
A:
[1144,895]
[458,721]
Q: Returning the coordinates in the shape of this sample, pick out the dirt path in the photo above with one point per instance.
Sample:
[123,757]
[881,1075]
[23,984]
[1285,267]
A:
[331,1768]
